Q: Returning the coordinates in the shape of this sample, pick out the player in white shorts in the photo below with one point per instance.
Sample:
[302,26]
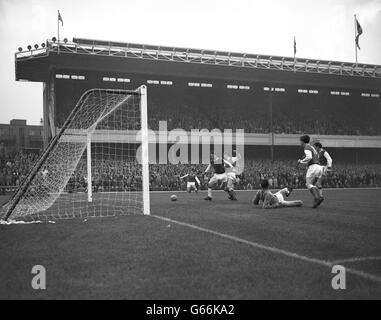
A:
[314,169]
[326,161]
[192,181]
[230,168]
[219,176]
[274,200]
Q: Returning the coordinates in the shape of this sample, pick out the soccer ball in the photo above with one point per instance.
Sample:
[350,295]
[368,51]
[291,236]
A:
[173,197]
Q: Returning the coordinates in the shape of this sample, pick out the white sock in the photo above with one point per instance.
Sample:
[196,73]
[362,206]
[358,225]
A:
[209,192]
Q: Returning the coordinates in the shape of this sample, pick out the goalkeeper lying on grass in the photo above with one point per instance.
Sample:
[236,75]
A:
[274,200]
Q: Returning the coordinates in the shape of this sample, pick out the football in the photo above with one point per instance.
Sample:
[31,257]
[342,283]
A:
[173,197]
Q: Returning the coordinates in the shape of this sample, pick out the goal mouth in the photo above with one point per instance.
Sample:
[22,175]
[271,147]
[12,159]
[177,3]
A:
[90,167]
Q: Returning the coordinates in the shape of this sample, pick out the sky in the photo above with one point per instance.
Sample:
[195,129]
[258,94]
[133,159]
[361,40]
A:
[323,29]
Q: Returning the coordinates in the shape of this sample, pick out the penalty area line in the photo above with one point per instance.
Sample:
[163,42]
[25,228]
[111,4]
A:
[275,250]
[357,259]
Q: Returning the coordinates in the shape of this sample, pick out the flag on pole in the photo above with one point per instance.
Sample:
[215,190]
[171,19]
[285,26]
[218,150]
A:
[60,18]
[294,46]
[358,32]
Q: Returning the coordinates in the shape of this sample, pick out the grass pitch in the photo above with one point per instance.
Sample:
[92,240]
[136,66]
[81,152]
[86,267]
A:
[195,249]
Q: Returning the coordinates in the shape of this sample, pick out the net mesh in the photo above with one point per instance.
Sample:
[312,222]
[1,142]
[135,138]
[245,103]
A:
[59,187]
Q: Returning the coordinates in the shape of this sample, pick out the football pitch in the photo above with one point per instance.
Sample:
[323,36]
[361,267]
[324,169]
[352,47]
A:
[196,249]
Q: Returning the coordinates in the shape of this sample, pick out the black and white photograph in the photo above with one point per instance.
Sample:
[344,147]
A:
[190,154]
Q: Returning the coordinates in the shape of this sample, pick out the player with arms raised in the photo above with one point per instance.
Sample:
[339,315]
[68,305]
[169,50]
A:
[314,169]
[192,181]
[230,163]
[219,176]
[325,161]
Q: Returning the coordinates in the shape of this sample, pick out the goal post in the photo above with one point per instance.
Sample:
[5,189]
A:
[90,167]
[145,148]
[89,177]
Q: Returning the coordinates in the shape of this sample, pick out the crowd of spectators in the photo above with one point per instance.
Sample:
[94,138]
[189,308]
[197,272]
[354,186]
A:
[14,167]
[109,174]
[190,115]
[290,114]
[327,119]
[253,115]
[280,174]
[113,174]
[287,173]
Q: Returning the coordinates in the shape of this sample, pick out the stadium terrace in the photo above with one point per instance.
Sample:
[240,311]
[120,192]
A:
[263,94]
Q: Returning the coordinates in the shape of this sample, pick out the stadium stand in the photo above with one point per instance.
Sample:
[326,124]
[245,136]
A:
[294,110]
[292,113]
[114,175]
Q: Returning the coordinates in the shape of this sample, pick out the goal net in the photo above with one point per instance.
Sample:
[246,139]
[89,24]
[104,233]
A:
[97,165]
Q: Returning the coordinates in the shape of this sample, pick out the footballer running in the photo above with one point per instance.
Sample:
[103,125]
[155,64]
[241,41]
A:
[219,177]
[325,161]
[314,169]
[230,163]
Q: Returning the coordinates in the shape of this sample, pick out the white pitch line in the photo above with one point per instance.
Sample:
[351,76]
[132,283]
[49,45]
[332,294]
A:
[357,259]
[290,254]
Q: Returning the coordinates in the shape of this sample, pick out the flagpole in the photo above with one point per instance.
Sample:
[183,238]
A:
[294,48]
[354,18]
[58,31]
[294,53]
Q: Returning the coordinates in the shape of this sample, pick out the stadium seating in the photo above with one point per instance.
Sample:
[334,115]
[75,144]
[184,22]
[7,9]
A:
[292,112]
[114,175]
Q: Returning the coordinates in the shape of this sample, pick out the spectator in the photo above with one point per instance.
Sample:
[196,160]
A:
[115,174]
